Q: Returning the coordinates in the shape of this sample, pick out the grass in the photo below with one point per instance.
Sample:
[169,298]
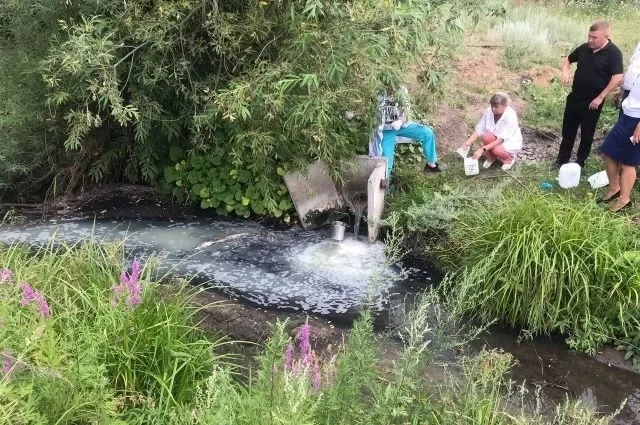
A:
[89,358]
[531,35]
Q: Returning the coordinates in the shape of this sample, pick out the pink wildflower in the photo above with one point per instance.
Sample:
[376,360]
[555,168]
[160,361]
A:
[9,363]
[288,358]
[129,284]
[316,380]
[30,295]
[305,344]
[5,275]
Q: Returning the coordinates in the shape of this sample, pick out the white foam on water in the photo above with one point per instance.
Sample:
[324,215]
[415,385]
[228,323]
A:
[350,262]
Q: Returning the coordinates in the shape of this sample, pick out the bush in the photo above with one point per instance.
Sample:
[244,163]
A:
[549,264]
[214,181]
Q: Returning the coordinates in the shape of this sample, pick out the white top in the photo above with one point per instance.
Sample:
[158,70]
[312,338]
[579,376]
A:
[507,128]
[633,72]
[631,105]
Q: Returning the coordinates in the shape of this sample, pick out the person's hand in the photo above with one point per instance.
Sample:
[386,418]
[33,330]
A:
[595,103]
[396,125]
[566,77]
[478,153]
[635,139]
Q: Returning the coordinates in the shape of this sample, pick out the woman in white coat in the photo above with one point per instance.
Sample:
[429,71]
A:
[500,133]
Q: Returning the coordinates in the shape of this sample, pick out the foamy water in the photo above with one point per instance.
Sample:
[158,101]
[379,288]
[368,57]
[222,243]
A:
[295,269]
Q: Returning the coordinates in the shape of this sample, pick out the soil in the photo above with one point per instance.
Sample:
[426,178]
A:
[480,75]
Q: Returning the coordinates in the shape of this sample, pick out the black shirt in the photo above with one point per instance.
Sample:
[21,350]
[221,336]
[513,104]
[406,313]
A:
[594,69]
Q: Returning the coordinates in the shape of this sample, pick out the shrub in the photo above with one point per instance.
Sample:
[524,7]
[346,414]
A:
[545,108]
[214,181]
[549,264]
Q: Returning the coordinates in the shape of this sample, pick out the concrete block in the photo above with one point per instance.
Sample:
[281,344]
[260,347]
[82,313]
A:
[313,193]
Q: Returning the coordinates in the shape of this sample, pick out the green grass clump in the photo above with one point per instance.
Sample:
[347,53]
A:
[549,264]
[533,35]
[73,353]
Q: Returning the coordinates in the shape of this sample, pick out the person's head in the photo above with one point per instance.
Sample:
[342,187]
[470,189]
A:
[499,103]
[598,34]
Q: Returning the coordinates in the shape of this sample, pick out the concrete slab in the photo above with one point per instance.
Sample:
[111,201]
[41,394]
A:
[313,192]
[363,182]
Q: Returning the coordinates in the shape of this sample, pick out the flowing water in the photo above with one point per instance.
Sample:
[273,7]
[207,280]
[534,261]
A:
[304,271]
[357,204]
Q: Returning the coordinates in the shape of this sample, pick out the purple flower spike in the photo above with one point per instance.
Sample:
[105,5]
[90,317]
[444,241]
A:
[304,335]
[288,358]
[316,380]
[129,284]
[5,275]
[30,295]
[7,362]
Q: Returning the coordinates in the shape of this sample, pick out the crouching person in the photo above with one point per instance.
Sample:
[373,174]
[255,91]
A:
[500,133]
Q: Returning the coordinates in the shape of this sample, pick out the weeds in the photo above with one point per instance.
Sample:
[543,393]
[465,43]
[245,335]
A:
[549,265]
[76,355]
[531,35]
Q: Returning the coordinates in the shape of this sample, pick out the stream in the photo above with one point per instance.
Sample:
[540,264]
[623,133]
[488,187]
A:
[305,272]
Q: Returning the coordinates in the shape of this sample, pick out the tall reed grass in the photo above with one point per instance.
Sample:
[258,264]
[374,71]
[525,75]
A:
[549,265]
[534,35]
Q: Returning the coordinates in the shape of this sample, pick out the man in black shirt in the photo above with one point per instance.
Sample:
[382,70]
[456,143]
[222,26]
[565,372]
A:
[599,71]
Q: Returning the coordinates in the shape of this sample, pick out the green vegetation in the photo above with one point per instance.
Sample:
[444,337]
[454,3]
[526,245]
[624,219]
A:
[79,347]
[264,85]
[547,264]
[534,36]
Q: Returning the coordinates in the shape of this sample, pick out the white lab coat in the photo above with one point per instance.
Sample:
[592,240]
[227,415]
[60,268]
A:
[507,128]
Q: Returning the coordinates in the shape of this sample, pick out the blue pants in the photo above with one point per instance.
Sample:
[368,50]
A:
[418,132]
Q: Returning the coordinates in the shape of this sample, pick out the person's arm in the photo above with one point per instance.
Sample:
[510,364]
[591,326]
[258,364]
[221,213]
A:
[478,153]
[613,83]
[572,57]
[616,68]
[471,139]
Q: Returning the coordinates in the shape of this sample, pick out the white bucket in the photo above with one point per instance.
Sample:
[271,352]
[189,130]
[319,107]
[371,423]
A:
[471,167]
[569,175]
[598,180]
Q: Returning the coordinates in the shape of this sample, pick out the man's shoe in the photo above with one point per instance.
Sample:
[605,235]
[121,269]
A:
[434,169]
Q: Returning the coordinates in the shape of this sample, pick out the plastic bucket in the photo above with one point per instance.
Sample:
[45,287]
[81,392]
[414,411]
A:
[569,176]
[471,167]
[598,180]
[337,230]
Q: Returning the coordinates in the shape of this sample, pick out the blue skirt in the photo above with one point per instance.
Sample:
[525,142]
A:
[618,146]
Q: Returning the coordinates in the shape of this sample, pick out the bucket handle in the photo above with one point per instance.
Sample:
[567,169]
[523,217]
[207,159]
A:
[342,213]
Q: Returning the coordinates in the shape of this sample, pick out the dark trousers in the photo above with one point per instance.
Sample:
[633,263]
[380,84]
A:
[578,115]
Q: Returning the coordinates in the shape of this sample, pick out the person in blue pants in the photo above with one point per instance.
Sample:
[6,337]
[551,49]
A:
[393,124]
